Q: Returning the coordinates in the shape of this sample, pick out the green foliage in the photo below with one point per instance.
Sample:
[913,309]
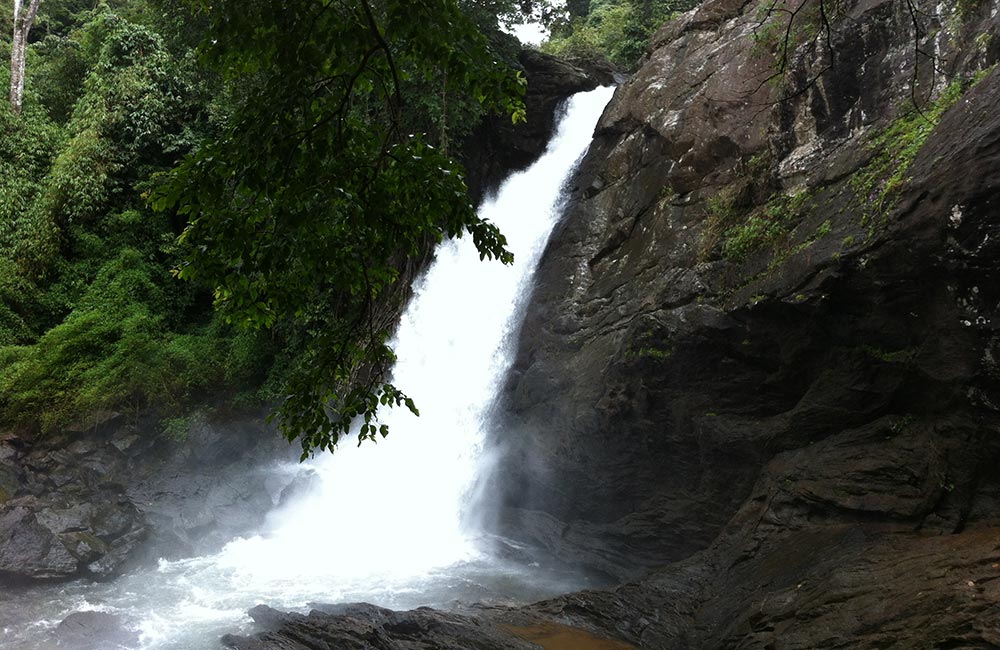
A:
[112,349]
[60,18]
[964,8]
[177,429]
[650,346]
[610,32]
[781,254]
[301,210]
[27,146]
[877,185]
[313,139]
[57,75]
[902,423]
[721,211]
[896,356]
[666,195]
[617,31]
[746,230]
[123,122]
[653,353]
[761,228]
[89,314]
[489,15]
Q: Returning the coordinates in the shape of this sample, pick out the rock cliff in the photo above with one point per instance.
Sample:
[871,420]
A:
[768,329]
[735,289]
[496,147]
[98,498]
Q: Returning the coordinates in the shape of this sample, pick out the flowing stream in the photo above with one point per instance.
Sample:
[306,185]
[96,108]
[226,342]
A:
[385,523]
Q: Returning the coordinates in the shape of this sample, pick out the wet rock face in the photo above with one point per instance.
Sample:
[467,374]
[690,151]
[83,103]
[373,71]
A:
[64,515]
[367,627]
[808,430]
[833,587]
[92,503]
[690,331]
[496,148]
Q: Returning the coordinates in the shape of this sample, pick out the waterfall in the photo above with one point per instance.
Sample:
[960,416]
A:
[384,522]
[395,507]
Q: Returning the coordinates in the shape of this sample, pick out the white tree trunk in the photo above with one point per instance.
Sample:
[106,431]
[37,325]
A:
[24,18]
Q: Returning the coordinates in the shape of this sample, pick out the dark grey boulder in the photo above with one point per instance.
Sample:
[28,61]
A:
[95,631]
[30,550]
[367,627]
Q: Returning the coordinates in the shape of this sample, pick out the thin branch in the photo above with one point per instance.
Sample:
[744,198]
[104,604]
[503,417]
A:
[917,52]
[827,30]
[377,34]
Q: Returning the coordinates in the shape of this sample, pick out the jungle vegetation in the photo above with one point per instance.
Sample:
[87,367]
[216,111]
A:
[204,201]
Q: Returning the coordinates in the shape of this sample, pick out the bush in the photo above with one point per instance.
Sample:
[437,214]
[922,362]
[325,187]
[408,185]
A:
[617,31]
[90,316]
[28,144]
[113,349]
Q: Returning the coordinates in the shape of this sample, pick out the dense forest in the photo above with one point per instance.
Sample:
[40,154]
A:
[284,158]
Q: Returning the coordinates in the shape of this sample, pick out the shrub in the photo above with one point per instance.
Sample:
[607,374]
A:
[614,30]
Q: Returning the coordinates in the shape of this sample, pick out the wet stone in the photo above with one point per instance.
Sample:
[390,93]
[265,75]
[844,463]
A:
[93,630]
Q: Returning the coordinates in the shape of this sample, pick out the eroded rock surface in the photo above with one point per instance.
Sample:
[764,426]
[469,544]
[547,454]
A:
[805,420]
[91,502]
[663,368]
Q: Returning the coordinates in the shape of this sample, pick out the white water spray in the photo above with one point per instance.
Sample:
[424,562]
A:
[385,522]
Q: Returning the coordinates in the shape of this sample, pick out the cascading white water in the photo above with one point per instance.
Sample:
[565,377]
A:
[397,505]
[385,522]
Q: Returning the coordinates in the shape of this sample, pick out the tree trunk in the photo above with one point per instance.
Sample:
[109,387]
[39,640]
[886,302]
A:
[24,18]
